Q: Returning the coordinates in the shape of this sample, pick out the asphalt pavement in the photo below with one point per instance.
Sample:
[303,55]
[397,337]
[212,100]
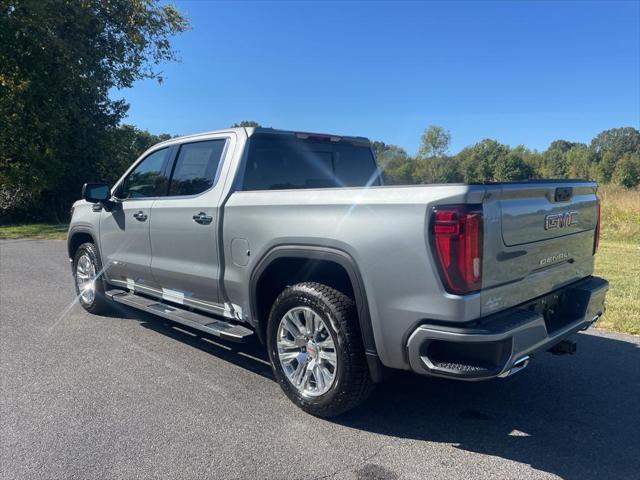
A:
[132,396]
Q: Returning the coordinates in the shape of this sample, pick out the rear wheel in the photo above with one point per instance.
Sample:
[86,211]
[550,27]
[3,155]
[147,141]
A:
[316,349]
[87,272]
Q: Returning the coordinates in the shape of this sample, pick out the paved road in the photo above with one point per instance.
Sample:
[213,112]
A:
[130,396]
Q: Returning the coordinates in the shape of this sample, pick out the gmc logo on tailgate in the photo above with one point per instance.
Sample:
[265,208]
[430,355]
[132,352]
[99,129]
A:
[560,220]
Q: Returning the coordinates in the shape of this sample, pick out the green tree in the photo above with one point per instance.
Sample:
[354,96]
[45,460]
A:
[399,171]
[124,143]
[512,166]
[562,145]
[609,146]
[580,162]
[441,169]
[606,165]
[385,153]
[554,159]
[434,142]
[246,123]
[58,62]
[478,162]
[617,142]
[627,171]
[433,165]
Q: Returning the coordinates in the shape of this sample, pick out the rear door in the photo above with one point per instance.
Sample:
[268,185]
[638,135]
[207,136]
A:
[539,236]
[124,231]
[184,226]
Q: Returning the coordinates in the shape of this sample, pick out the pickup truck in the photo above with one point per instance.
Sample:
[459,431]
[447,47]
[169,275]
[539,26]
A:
[292,238]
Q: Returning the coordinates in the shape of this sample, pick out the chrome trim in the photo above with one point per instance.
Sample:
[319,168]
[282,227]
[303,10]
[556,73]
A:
[307,352]
[86,279]
[518,365]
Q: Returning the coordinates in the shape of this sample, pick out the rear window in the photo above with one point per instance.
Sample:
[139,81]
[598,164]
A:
[282,163]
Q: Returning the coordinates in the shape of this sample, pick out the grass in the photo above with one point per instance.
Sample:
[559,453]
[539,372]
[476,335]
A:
[619,262]
[620,211]
[618,259]
[46,231]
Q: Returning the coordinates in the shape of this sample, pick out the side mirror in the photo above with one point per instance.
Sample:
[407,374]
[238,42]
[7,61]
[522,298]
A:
[96,192]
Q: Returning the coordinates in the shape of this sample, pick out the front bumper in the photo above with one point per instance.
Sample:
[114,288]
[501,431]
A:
[501,344]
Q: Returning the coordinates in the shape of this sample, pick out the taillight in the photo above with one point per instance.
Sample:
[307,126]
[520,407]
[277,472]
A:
[456,234]
[596,240]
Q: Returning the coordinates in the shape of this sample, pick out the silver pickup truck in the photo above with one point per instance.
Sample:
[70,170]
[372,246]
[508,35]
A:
[292,238]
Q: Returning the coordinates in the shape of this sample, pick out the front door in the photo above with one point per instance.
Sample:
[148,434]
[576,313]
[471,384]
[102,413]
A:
[184,226]
[124,230]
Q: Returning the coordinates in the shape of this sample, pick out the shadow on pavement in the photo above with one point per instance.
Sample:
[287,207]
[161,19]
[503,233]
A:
[575,416]
[251,355]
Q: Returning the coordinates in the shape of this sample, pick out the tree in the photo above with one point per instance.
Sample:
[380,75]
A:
[442,169]
[562,145]
[434,142]
[245,123]
[627,171]
[432,164]
[58,63]
[385,153]
[617,142]
[606,165]
[512,166]
[478,162]
[124,143]
[554,163]
[399,171]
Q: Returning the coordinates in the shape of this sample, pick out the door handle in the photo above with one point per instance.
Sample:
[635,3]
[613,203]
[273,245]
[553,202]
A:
[202,218]
[140,216]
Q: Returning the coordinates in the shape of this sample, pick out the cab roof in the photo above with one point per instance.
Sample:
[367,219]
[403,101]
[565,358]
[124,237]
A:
[251,131]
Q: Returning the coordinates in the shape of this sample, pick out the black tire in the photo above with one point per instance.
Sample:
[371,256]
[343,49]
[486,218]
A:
[99,304]
[352,383]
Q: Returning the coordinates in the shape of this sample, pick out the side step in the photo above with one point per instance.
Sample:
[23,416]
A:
[204,323]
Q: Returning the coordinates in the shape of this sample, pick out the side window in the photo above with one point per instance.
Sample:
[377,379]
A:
[148,178]
[196,167]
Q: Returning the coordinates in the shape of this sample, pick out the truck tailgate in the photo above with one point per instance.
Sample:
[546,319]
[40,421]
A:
[539,236]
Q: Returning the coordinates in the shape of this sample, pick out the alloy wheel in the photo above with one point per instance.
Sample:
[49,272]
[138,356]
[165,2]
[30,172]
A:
[86,279]
[306,351]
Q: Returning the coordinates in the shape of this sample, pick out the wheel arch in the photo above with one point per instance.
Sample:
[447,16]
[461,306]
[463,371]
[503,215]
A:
[76,237]
[317,262]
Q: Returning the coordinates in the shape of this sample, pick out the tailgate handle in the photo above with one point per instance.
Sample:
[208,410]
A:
[563,194]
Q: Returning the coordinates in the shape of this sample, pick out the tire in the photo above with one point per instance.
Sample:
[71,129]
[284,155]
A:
[87,261]
[330,389]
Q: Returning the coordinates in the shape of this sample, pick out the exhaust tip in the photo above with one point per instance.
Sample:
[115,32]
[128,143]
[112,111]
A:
[518,365]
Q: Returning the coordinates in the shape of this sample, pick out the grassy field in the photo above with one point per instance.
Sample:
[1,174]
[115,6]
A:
[618,259]
[35,230]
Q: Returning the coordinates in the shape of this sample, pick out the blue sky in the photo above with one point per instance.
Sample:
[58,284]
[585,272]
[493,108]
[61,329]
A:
[522,73]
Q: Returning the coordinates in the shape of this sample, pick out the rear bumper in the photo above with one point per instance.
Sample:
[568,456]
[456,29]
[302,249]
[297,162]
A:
[501,344]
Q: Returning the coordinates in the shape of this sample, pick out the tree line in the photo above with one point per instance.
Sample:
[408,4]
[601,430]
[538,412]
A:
[612,156]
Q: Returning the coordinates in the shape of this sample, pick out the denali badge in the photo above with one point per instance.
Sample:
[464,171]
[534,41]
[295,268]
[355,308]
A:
[560,220]
[554,258]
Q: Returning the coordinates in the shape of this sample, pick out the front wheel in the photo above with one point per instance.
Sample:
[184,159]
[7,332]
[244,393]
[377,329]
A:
[316,350]
[87,272]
